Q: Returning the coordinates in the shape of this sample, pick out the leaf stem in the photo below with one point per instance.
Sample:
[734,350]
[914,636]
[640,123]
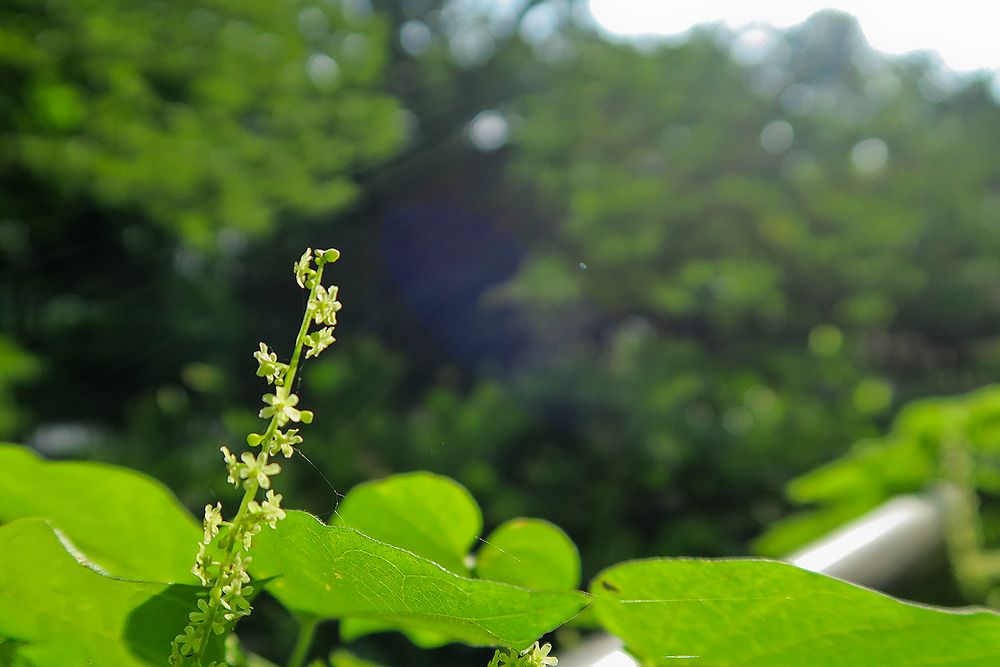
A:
[307,629]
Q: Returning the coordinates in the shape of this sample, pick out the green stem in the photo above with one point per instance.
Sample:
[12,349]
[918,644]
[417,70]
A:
[964,530]
[307,628]
[214,602]
[293,365]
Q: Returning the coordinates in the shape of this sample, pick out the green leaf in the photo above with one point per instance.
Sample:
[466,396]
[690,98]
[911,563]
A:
[437,518]
[254,660]
[336,571]
[532,553]
[126,523]
[355,628]
[57,612]
[873,469]
[749,613]
[430,515]
[342,658]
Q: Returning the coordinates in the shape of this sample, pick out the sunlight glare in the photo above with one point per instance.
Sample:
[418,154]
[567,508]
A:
[963,32]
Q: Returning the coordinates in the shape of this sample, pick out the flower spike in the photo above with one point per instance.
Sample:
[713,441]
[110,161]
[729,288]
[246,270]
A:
[222,559]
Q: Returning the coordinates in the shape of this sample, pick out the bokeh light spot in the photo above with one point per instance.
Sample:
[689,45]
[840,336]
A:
[323,71]
[489,130]
[777,137]
[870,156]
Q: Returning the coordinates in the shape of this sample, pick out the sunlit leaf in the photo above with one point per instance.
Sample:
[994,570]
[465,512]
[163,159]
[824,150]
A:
[126,523]
[765,613]
[57,612]
[430,515]
[342,658]
[336,572]
[532,553]
[437,518]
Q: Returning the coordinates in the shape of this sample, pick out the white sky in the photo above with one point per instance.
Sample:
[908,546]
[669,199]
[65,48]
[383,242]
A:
[966,33]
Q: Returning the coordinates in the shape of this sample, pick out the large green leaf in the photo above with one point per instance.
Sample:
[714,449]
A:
[531,553]
[126,523]
[431,515]
[427,514]
[55,611]
[437,518]
[336,571]
[771,614]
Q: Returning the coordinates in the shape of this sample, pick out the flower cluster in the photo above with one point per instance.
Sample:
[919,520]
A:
[224,552]
[533,656]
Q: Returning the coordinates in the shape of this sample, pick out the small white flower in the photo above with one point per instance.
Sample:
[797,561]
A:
[284,442]
[233,466]
[258,469]
[325,305]
[269,511]
[303,271]
[203,563]
[213,519]
[281,405]
[268,365]
[319,341]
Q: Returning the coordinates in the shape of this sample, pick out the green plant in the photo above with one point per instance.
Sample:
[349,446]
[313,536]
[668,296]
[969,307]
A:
[952,440]
[671,349]
[226,573]
[97,570]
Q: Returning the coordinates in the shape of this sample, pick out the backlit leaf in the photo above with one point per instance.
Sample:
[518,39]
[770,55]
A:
[127,523]
[764,613]
[336,572]
[57,612]
[430,515]
[531,553]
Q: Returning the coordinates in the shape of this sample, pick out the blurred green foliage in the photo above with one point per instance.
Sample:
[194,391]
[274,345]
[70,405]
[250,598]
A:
[728,267]
[17,366]
[946,441]
[206,116]
[144,149]
[712,311]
